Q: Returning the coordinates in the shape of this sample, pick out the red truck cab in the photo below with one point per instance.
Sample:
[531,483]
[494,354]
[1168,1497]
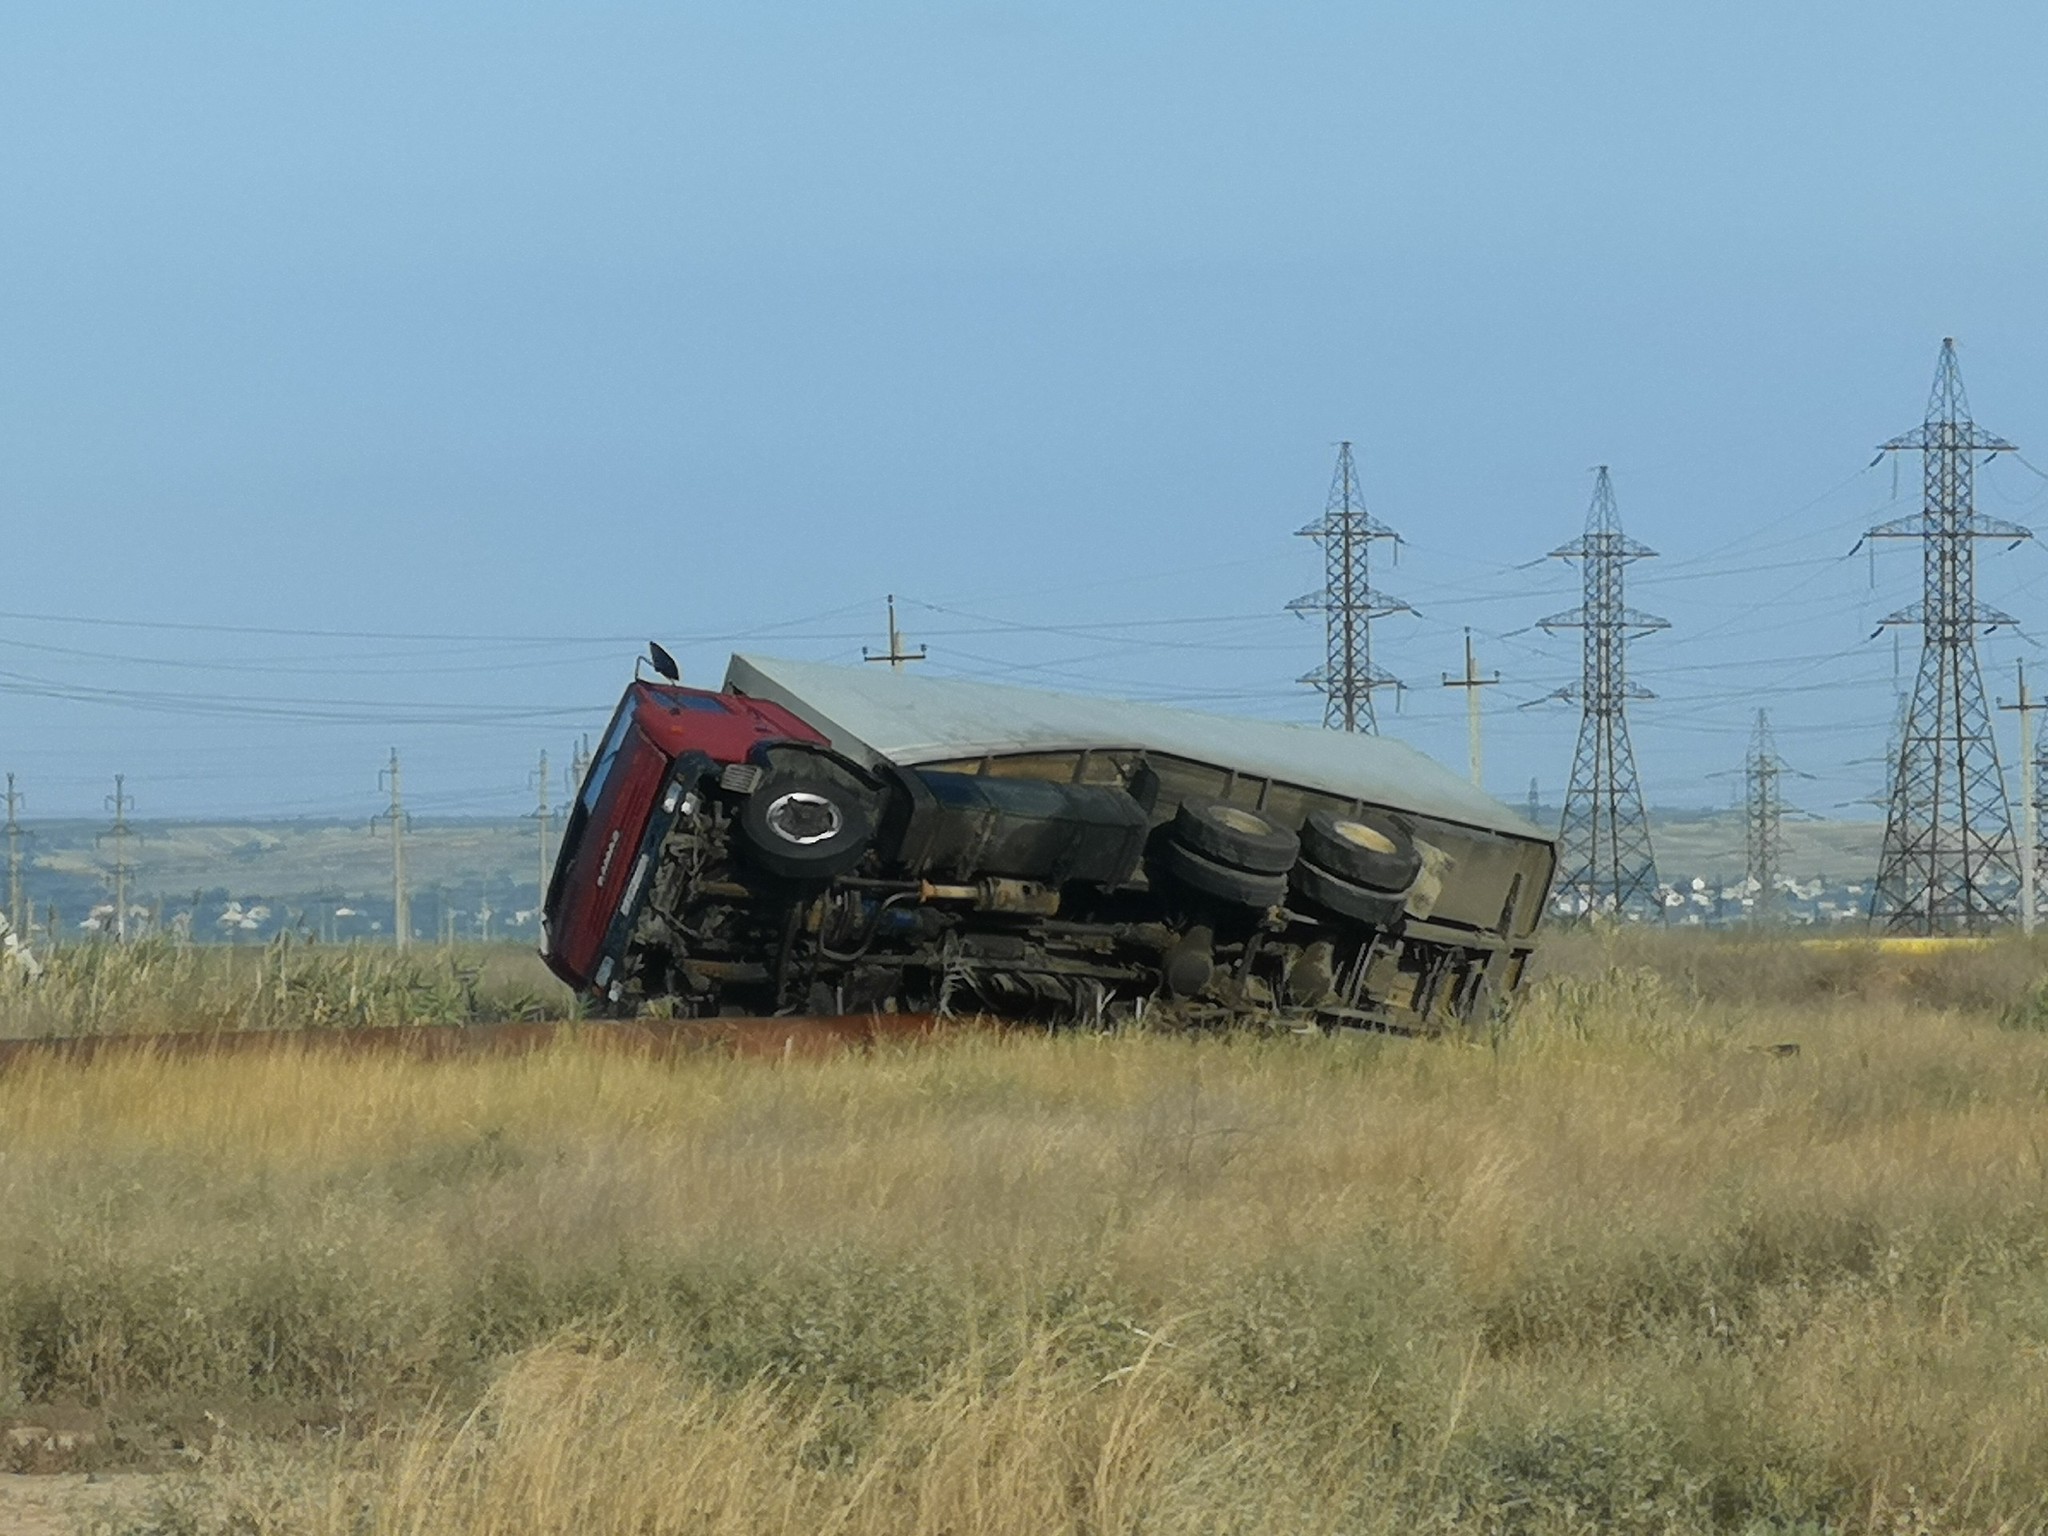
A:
[662,740]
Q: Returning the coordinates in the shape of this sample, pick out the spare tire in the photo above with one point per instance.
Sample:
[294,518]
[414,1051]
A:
[1320,889]
[1364,848]
[1236,886]
[1237,836]
[805,828]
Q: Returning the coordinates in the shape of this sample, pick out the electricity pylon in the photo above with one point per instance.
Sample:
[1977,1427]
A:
[2035,777]
[1763,818]
[2030,801]
[1607,866]
[1348,603]
[1950,863]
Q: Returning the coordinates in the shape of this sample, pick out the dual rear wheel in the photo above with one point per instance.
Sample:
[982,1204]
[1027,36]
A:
[1358,865]
[1234,854]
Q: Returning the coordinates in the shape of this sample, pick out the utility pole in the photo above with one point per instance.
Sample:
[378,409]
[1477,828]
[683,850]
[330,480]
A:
[1607,862]
[1472,682]
[2030,804]
[1763,818]
[15,914]
[896,655]
[579,765]
[1949,862]
[1348,603]
[119,802]
[541,812]
[401,912]
[1535,803]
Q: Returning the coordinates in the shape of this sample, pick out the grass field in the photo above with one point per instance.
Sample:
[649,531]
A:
[160,986]
[1634,1268]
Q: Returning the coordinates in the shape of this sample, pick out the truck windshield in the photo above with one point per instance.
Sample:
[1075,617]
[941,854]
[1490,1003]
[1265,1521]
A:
[600,770]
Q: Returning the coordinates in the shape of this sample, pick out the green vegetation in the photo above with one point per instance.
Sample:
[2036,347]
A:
[1635,1268]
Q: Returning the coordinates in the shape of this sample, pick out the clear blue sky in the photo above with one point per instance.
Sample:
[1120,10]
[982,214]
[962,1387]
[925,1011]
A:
[570,324]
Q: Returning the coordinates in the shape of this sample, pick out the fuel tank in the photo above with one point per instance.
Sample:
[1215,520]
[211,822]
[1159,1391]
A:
[960,826]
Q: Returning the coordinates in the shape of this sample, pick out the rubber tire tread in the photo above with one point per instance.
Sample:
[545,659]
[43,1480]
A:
[1197,826]
[1237,886]
[1322,890]
[1323,846]
[812,862]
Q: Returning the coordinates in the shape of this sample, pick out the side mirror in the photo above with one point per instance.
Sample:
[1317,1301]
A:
[663,663]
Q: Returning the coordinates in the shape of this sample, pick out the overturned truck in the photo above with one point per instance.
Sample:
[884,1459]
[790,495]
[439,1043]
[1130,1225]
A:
[831,840]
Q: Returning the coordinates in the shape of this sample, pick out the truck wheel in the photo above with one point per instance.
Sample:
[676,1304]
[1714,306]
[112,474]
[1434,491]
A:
[1237,836]
[1365,848]
[1320,889]
[805,828]
[1197,873]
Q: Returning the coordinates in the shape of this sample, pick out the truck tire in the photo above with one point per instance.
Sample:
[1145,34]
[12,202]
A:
[804,828]
[1320,889]
[1236,886]
[1236,836]
[1363,848]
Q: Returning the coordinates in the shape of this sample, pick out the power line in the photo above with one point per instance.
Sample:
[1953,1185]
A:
[190,626]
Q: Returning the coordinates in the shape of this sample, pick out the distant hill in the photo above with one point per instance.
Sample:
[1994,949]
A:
[278,857]
[1710,844]
[246,880]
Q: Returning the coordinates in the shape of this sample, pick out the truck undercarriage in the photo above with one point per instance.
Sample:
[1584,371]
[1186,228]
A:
[805,883]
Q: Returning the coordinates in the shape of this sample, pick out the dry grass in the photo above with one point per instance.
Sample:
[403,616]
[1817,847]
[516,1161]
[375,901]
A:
[1624,1272]
[159,985]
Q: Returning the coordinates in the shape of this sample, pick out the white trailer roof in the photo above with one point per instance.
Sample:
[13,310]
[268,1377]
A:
[878,712]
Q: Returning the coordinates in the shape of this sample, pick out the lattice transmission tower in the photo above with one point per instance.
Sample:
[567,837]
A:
[1348,603]
[1607,865]
[1763,837]
[1950,863]
[2034,779]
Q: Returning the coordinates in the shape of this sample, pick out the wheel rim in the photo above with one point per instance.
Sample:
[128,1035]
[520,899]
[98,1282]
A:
[803,818]
[1371,839]
[1239,820]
